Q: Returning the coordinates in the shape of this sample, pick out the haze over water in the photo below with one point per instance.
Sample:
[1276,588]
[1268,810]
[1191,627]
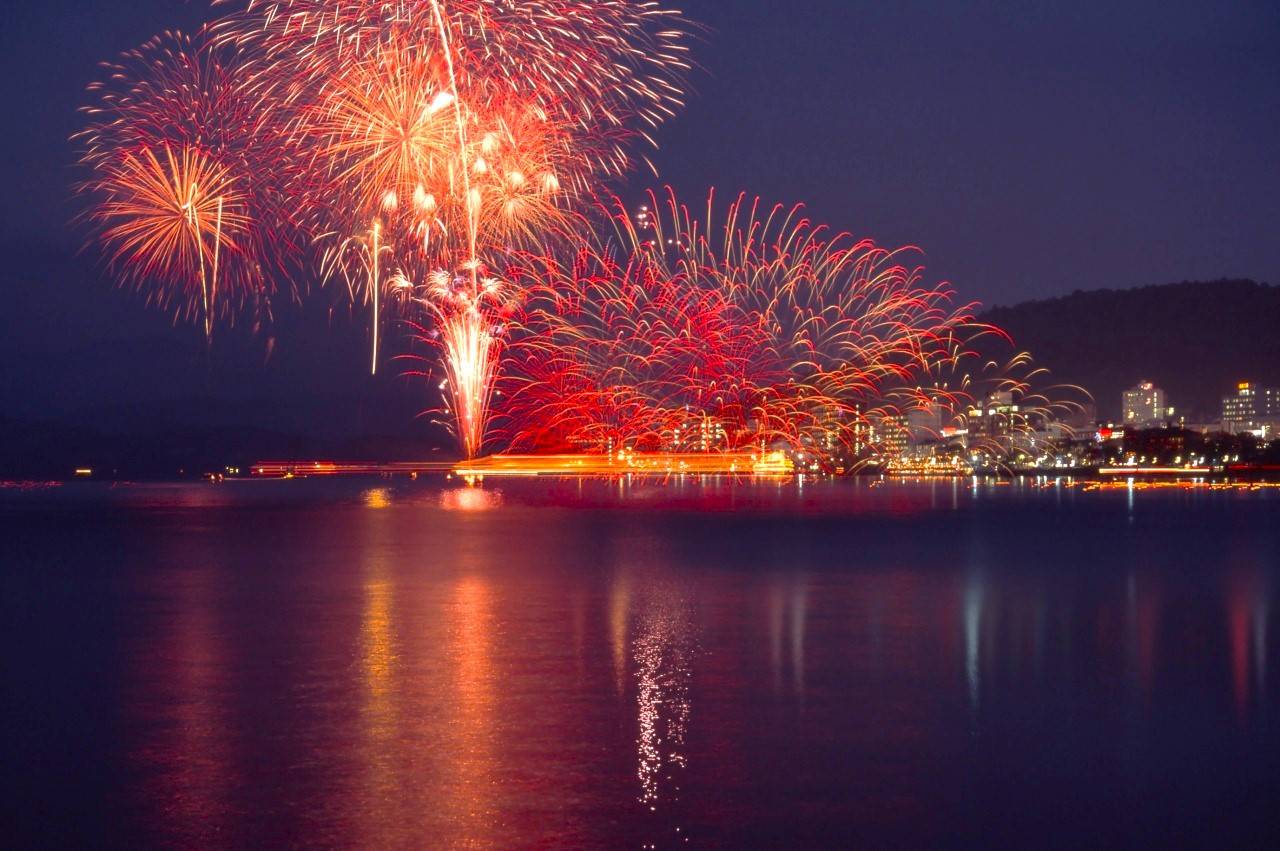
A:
[386,663]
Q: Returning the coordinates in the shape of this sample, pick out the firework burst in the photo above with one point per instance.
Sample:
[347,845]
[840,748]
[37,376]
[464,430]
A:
[410,140]
[458,131]
[171,216]
[767,331]
[179,201]
[609,68]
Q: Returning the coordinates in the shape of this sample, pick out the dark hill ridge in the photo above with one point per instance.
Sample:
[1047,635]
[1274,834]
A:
[1195,339]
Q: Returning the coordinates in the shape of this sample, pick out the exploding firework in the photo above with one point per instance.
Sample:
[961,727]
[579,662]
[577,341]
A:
[466,324]
[412,141]
[437,184]
[767,332]
[170,216]
[609,68]
[437,154]
[179,201]
[457,131]
[390,140]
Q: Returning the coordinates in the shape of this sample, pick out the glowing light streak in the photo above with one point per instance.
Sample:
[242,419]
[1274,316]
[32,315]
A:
[669,334]
[630,464]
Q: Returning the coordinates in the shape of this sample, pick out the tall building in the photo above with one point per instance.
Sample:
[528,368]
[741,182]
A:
[891,436]
[1143,405]
[995,416]
[1252,408]
[1082,420]
[924,425]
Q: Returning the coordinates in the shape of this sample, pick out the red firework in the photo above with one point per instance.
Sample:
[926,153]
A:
[179,195]
[768,332]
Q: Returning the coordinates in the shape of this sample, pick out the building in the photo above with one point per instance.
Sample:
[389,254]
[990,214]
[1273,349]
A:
[924,425]
[891,436]
[1252,408]
[1162,446]
[1144,405]
[996,416]
[707,434]
[1082,419]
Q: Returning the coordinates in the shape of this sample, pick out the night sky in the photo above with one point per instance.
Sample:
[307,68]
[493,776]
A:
[1030,148]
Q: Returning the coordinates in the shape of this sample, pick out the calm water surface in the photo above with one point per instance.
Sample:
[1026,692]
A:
[590,664]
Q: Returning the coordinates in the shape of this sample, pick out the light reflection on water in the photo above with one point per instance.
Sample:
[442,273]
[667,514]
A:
[470,498]
[662,653]
[626,664]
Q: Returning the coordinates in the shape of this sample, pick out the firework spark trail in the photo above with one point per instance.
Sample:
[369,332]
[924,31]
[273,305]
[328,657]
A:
[1028,405]
[609,67]
[464,130]
[178,199]
[160,212]
[467,310]
[436,156]
[774,331]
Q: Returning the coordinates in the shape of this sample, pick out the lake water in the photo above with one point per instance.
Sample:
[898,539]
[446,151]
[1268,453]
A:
[394,663]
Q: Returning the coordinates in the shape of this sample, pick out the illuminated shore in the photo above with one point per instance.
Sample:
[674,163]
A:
[622,463]
[773,463]
[631,463]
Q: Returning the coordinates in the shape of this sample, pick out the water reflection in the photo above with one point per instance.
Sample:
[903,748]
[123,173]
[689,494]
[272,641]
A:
[662,656]
[1247,602]
[787,596]
[454,667]
[1144,604]
[470,719]
[619,620]
[799,601]
[471,498]
[974,597]
[180,674]
[378,657]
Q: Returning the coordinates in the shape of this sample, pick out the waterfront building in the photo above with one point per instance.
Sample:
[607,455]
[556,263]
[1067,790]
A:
[892,436]
[924,425]
[1144,405]
[994,416]
[1252,408]
[1082,420]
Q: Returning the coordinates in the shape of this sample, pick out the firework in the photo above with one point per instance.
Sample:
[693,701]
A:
[170,216]
[670,334]
[440,182]
[459,131]
[178,200]
[437,156]
[467,310]
[1004,405]
[610,68]
[410,141]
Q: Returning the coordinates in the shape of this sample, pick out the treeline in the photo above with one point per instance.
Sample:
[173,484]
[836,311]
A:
[1194,339]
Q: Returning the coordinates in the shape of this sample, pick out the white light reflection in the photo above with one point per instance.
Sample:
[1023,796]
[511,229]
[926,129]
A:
[470,499]
[662,652]
[972,636]
[799,609]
